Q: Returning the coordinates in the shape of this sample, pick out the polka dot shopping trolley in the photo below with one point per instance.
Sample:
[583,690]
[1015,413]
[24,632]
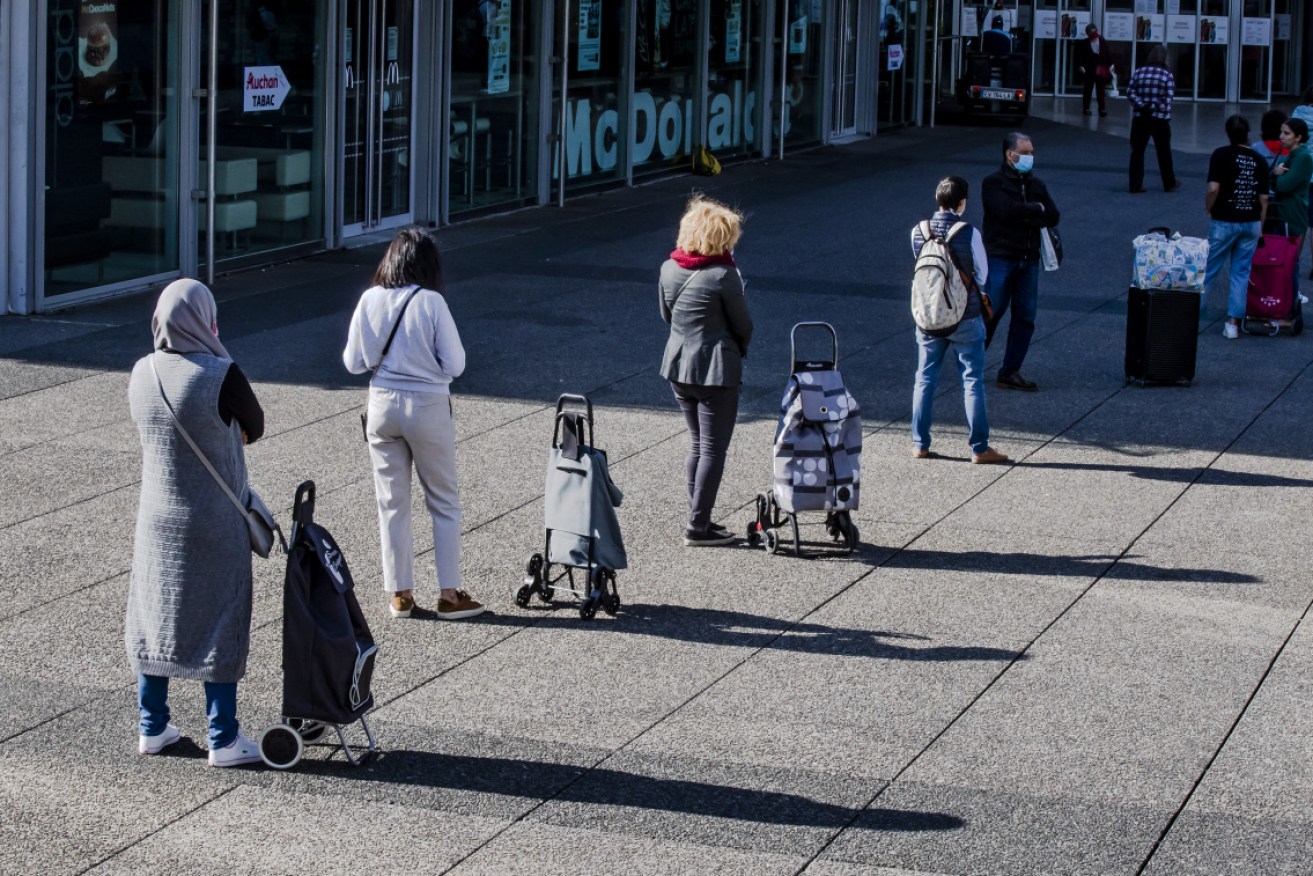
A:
[817,454]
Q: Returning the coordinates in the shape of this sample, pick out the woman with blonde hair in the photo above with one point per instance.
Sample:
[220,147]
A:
[701,297]
[403,332]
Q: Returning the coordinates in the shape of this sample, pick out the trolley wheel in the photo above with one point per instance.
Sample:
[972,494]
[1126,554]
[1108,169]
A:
[834,525]
[588,607]
[1297,327]
[851,536]
[281,747]
[522,595]
[610,594]
[309,731]
[545,593]
[754,533]
[773,541]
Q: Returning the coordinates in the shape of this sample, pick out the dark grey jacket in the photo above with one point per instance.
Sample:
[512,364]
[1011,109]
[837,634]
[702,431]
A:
[709,324]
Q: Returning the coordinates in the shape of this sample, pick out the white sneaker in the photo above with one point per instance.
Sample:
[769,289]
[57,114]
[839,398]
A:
[1230,331]
[242,750]
[160,741]
[1303,299]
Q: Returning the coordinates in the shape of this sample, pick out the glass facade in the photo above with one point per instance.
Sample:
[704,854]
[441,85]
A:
[736,44]
[111,143]
[803,30]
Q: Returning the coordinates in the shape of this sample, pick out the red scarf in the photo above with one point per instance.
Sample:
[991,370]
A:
[693,261]
[1275,147]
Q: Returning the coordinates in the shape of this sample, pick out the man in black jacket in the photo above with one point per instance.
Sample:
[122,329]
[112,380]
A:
[1017,205]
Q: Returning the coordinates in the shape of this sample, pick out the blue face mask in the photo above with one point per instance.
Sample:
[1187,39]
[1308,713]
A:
[1024,163]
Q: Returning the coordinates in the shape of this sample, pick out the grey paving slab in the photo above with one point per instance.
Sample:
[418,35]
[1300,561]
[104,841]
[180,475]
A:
[76,406]
[951,828]
[1202,844]
[831,867]
[58,474]
[531,848]
[258,831]
[777,809]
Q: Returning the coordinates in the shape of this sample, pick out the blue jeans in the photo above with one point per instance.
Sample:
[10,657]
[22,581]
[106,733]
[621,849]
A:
[1014,283]
[968,345]
[1238,240]
[220,706]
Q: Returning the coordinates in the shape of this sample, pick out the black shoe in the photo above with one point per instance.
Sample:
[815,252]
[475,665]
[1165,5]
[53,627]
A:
[1103,114]
[1138,191]
[718,529]
[1087,112]
[1015,381]
[1173,187]
[710,538]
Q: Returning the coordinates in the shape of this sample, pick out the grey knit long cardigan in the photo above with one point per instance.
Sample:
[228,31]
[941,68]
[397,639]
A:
[189,602]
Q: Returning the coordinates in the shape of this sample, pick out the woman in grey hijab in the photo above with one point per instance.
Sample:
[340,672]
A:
[189,601]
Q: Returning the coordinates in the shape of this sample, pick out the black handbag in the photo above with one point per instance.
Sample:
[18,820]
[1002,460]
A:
[364,416]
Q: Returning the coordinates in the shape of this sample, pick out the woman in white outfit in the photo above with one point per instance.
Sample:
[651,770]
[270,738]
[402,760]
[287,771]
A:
[404,333]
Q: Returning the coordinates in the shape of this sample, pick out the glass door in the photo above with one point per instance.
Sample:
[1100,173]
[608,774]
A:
[734,71]
[111,140]
[667,85]
[1214,49]
[844,97]
[262,122]
[800,103]
[378,71]
[1256,33]
[590,92]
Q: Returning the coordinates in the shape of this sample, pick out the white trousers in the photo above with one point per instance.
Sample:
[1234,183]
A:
[405,428]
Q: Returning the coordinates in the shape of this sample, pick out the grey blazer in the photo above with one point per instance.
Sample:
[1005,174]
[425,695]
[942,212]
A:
[709,324]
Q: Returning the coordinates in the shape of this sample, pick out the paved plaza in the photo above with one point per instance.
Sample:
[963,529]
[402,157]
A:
[1097,660]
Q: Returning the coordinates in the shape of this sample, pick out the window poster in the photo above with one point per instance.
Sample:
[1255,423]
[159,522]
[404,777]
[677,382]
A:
[1146,7]
[98,51]
[1173,7]
[1072,25]
[1180,28]
[1046,24]
[499,49]
[1255,31]
[734,31]
[590,35]
[1283,26]
[1149,28]
[1119,27]
[970,23]
[797,28]
[1213,30]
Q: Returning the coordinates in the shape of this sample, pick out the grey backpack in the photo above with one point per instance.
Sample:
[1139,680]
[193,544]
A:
[939,292]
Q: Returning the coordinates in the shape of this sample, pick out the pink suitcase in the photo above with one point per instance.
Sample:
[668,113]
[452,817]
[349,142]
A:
[1272,305]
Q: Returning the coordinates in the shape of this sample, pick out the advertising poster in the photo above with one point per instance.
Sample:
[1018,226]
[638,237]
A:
[798,29]
[499,49]
[1149,28]
[895,61]
[1255,31]
[1119,27]
[1046,24]
[1180,28]
[1213,30]
[1071,26]
[590,35]
[734,32]
[98,51]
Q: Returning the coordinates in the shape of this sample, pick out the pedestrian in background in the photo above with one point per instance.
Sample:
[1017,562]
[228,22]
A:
[189,599]
[1017,205]
[1293,175]
[967,342]
[701,296]
[1268,145]
[1237,204]
[1150,93]
[403,332]
[1094,62]
[1304,112]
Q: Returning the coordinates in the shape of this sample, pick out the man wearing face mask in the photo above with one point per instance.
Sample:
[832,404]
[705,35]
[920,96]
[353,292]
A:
[1017,205]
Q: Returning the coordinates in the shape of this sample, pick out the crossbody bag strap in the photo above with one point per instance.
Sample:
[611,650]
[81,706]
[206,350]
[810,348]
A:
[227,490]
[396,325]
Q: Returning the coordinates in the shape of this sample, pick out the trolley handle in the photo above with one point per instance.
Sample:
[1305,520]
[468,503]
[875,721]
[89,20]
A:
[578,400]
[303,508]
[793,342]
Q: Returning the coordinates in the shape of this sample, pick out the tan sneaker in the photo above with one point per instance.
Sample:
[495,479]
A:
[401,606]
[462,606]
[989,457]
[918,453]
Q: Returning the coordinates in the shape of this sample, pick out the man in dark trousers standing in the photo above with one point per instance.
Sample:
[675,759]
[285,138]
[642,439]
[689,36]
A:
[1150,92]
[1094,62]
[1017,205]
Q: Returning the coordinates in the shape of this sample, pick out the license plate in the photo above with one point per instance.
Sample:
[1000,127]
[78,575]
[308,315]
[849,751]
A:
[997,94]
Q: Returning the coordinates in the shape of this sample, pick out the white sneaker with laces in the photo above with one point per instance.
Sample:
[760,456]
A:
[242,750]
[160,741]
[1230,331]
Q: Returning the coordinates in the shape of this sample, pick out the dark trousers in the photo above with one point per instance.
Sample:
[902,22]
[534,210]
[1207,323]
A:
[1013,284]
[1144,127]
[1098,86]
[710,412]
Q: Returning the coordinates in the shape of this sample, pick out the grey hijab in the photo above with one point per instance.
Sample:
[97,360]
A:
[185,319]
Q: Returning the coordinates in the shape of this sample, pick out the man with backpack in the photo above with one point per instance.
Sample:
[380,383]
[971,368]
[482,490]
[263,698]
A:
[947,305]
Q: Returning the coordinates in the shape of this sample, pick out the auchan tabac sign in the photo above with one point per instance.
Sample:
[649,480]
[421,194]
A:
[264,89]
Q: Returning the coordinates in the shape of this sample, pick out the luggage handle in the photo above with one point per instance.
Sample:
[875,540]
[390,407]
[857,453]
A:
[570,397]
[303,508]
[793,342]
[1161,229]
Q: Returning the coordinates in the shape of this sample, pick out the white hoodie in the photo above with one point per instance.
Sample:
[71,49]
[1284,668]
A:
[425,354]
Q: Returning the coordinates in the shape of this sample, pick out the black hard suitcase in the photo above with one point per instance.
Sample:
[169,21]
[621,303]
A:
[1162,335]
